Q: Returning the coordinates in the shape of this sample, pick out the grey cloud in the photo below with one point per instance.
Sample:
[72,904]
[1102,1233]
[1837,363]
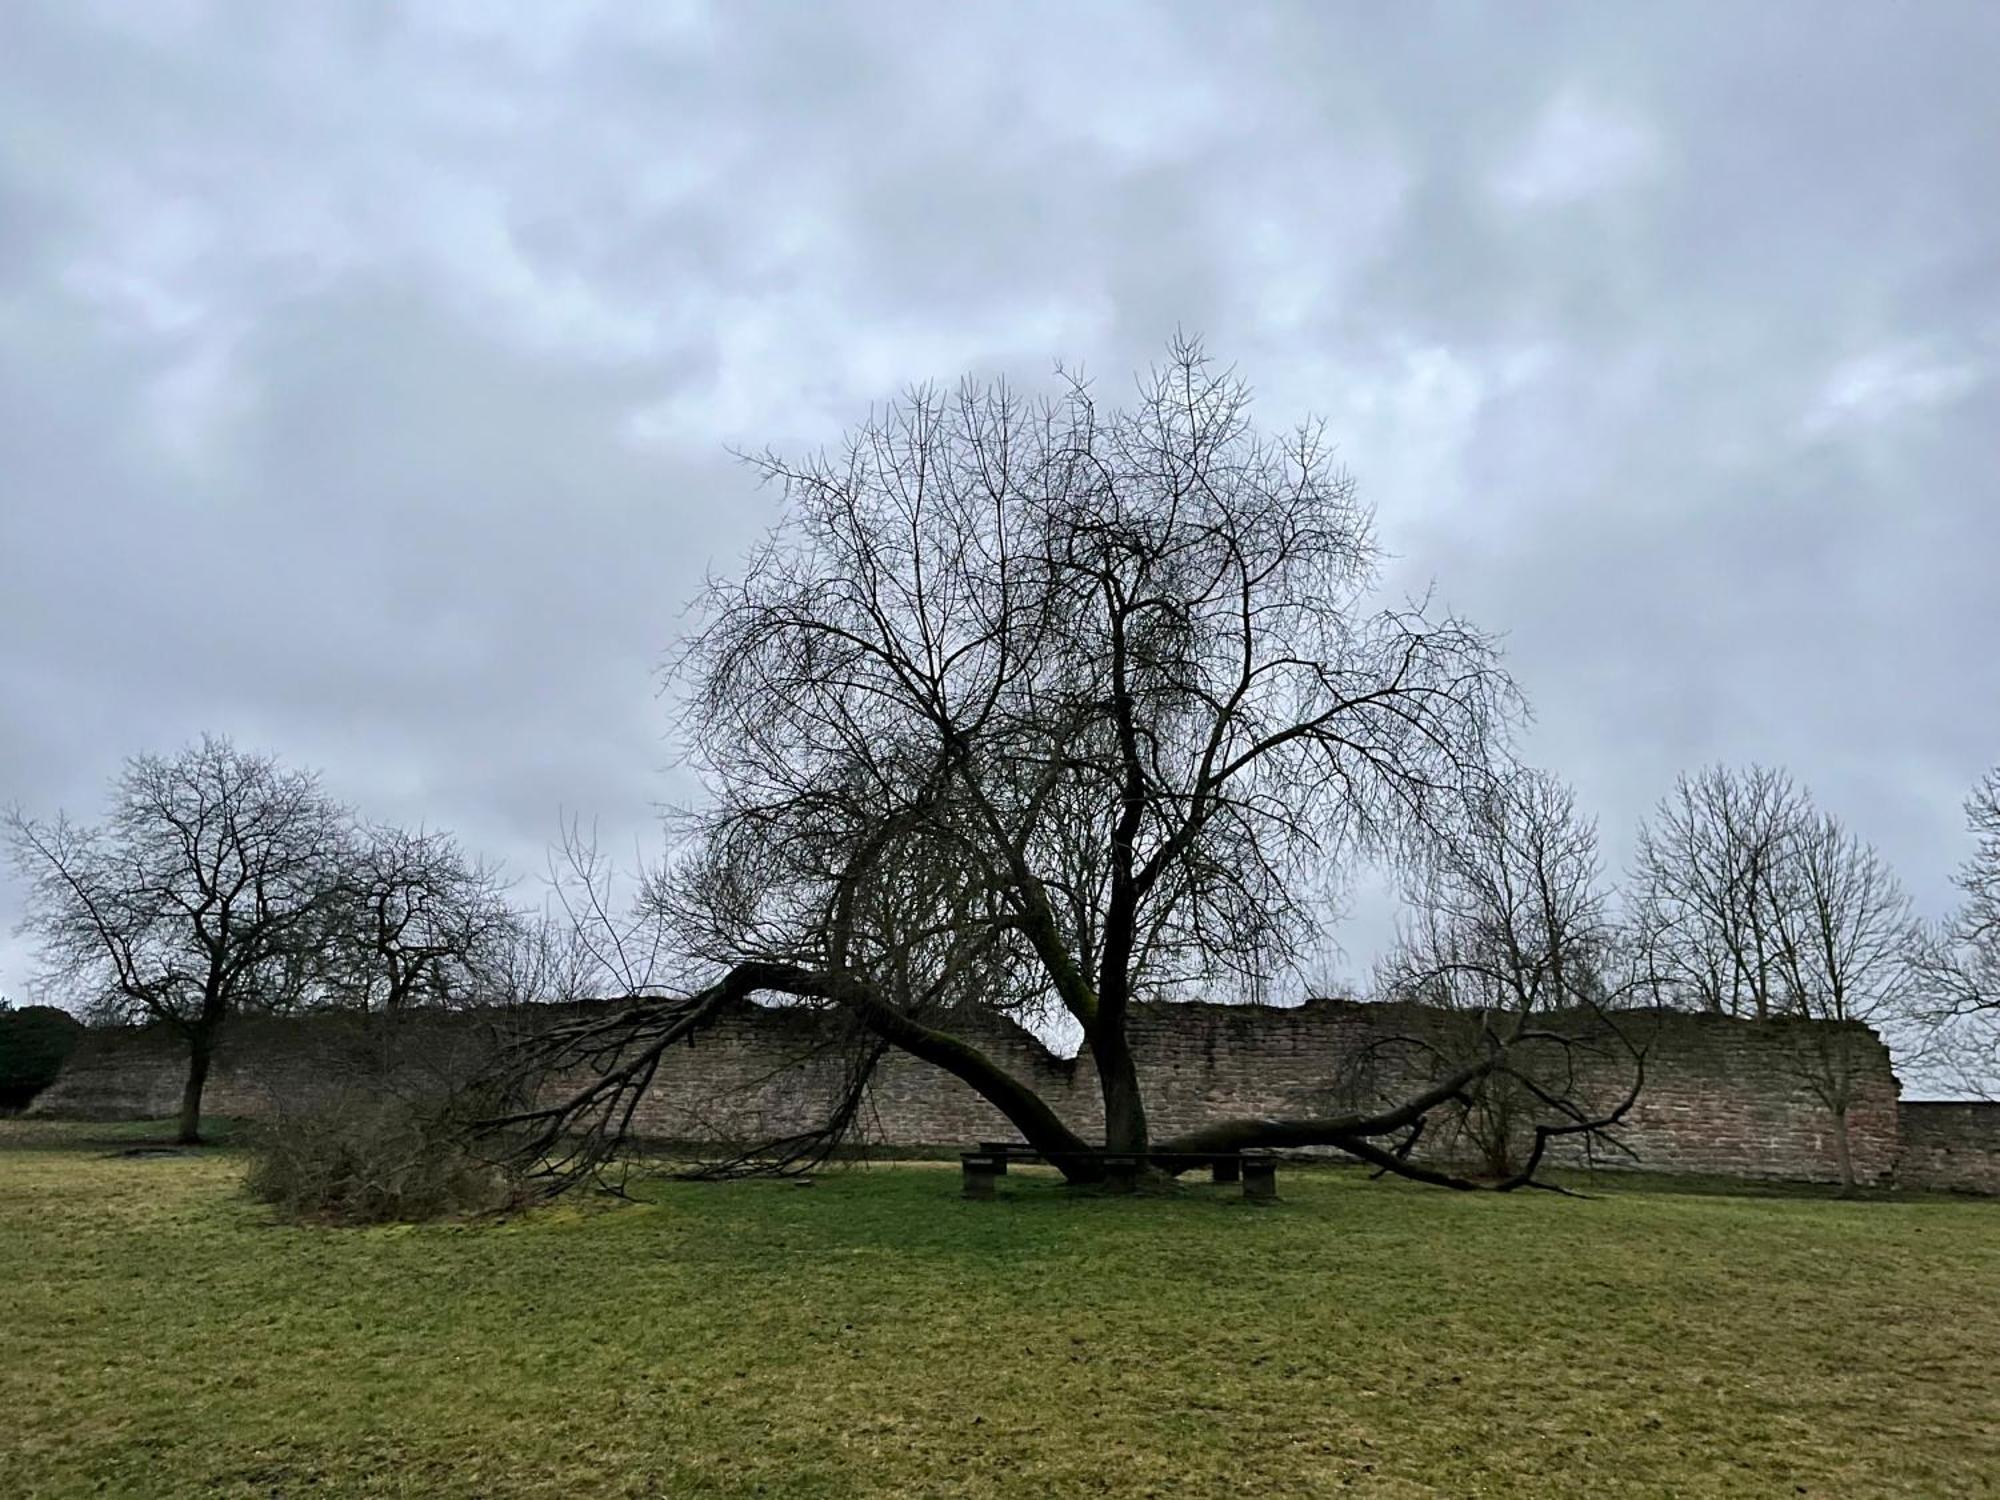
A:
[366,376]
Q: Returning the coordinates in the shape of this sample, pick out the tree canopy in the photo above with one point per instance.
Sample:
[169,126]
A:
[223,882]
[1049,709]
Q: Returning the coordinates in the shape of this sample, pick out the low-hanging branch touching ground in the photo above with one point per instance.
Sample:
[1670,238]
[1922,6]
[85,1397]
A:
[1042,710]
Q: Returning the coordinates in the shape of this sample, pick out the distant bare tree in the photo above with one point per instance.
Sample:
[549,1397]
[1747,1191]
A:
[546,963]
[1962,961]
[204,894]
[1977,928]
[1704,897]
[1042,709]
[1753,903]
[1847,948]
[420,922]
[1511,937]
[603,936]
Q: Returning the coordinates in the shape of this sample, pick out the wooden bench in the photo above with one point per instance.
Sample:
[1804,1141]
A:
[1256,1170]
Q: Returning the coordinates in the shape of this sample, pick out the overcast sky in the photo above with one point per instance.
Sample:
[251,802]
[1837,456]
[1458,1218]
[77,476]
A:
[366,381]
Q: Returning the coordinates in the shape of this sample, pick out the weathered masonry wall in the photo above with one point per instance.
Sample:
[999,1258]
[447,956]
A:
[134,1073]
[1955,1147]
[1724,1097]
[1737,1099]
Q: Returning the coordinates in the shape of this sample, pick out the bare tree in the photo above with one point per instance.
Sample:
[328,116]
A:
[420,923]
[1511,948]
[1045,710]
[1847,948]
[205,893]
[1752,903]
[547,963]
[1976,931]
[1961,962]
[1706,867]
[599,941]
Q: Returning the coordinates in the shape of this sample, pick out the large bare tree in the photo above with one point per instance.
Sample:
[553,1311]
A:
[1047,709]
[205,893]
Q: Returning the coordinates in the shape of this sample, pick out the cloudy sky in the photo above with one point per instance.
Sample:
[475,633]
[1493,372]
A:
[367,372]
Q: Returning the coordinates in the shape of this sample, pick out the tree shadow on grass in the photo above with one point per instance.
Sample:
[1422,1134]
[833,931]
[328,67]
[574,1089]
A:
[1664,1184]
[115,1137]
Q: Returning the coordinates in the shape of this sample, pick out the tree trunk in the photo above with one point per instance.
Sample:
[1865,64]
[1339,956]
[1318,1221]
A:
[1843,1153]
[1026,1110]
[1118,1081]
[201,1049]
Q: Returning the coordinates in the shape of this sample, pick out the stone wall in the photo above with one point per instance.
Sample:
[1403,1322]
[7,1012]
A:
[137,1073]
[1739,1099]
[1951,1147]
[1721,1096]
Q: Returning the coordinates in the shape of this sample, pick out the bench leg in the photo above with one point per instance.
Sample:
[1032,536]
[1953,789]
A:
[979,1179]
[1226,1169]
[1260,1181]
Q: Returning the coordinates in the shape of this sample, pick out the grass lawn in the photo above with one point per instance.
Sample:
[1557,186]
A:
[874,1335]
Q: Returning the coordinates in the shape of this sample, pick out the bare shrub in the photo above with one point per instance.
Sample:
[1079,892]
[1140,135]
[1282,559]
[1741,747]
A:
[381,1127]
[353,1157]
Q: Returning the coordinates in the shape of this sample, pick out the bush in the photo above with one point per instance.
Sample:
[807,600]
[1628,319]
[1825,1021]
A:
[359,1158]
[35,1042]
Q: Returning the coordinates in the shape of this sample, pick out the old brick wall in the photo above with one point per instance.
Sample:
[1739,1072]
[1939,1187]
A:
[1732,1098]
[1721,1096]
[1951,1147]
[1736,1098]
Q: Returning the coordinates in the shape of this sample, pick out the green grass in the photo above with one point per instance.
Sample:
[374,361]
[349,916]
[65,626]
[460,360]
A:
[874,1335]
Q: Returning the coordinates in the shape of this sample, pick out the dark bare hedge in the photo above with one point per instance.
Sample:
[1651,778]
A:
[35,1042]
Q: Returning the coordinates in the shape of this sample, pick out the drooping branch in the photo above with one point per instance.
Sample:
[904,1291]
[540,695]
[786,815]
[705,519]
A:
[619,1055]
[1273,1132]
[1362,1135]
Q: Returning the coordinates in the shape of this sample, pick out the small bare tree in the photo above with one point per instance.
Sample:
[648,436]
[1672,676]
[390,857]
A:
[204,894]
[1961,962]
[419,922]
[1753,903]
[1512,942]
[547,963]
[1976,931]
[1847,948]
[1706,868]
[1046,710]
